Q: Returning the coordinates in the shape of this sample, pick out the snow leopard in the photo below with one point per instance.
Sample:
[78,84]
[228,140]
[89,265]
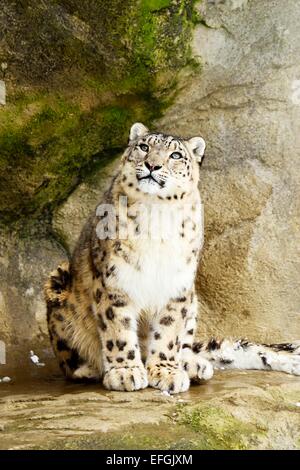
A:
[123,310]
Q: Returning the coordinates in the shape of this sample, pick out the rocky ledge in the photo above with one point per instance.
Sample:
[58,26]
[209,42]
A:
[235,410]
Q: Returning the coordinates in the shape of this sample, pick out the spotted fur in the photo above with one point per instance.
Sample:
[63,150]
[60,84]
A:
[124,310]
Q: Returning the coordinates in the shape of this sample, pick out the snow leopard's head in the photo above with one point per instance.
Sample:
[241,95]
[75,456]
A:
[159,164]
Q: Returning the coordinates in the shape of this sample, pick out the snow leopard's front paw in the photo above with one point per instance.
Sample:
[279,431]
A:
[126,379]
[168,379]
[197,367]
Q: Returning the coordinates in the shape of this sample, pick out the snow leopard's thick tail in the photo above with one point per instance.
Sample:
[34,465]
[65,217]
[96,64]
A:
[57,287]
[242,354]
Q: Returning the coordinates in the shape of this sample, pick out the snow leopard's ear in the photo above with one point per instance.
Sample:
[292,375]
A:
[197,147]
[137,130]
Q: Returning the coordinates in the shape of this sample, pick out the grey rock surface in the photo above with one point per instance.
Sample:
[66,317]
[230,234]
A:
[235,410]
[245,103]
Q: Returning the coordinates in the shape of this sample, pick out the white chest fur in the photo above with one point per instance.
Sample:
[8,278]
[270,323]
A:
[161,270]
[163,274]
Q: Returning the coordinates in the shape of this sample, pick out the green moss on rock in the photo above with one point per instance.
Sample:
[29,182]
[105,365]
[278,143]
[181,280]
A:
[79,73]
[216,428]
[201,427]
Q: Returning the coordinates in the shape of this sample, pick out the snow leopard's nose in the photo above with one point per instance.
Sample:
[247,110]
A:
[152,167]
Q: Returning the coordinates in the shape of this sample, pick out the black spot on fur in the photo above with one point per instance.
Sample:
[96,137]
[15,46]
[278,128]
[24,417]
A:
[184,312]
[162,356]
[181,299]
[172,358]
[117,246]
[98,295]
[110,270]
[102,324]
[121,345]
[119,303]
[90,310]
[74,361]
[120,359]
[60,282]
[59,317]
[105,214]
[288,347]
[226,361]
[109,345]
[157,335]
[170,308]
[244,343]
[50,305]
[212,345]
[264,361]
[170,345]
[126,323]
[131,354]
[61,345]
[197,347]
[109,313]
[190,332]
[167,320]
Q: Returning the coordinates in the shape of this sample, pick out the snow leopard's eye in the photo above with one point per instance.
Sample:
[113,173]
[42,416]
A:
[144,147]
[176,155]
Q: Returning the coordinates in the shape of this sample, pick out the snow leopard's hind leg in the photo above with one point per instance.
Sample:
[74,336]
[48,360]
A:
[62,328]
[242,354]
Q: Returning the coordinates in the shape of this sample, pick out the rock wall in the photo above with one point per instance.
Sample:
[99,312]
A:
[74,75]
[245,103]
[24,265]
[58,149]
[77,73]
